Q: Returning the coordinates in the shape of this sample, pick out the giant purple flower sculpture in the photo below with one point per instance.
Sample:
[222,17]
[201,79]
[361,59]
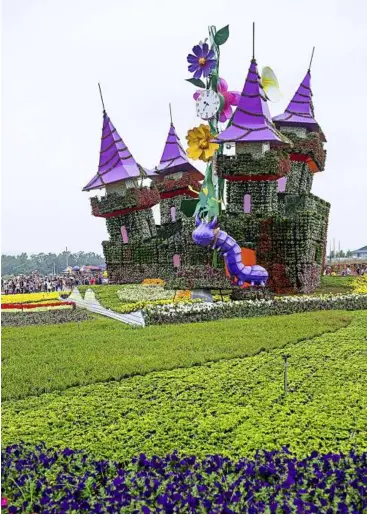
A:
[202,61]
[231,98]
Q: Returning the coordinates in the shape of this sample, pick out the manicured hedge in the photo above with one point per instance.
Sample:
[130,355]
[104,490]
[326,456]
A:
[68,481]
[180,313]
[62,316]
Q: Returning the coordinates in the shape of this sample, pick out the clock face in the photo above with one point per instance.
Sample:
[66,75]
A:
[207,105]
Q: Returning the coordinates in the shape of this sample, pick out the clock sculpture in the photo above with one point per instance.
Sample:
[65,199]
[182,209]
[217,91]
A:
[207,104]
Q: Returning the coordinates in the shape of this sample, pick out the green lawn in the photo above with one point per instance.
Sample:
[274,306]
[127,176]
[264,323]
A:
[231,407]
[335,284]
[42,359]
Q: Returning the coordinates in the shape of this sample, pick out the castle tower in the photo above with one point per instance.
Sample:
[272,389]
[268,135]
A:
[126,205]
[299,125]
[174,175]
[252,157]
[293,243]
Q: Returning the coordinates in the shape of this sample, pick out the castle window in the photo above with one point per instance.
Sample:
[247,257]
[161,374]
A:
[173,214]
[247,203]
[282,184]
[125,238]
[177,260]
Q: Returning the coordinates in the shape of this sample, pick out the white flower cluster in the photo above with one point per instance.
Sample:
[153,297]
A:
[181,312]
[137,293]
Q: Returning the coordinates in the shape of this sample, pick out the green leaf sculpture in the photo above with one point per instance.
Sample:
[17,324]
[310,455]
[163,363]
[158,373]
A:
[221,36]
[196,82]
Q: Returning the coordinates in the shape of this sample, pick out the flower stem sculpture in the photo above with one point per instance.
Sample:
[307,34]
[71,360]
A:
[214,103]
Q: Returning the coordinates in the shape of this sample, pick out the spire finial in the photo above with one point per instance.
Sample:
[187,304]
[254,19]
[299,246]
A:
[253,40]
[100,92]
[313,50]
[170,113]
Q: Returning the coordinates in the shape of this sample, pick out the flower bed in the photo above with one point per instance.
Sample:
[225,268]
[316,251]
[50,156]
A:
[273,165]
[359,284]
[68,481]
[37,306]
[136,293]
[56,316]
[155,282]
[205,311]
[134,199]
[21,298]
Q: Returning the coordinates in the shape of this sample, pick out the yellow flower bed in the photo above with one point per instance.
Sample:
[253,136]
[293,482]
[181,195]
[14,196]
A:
[359,284]
[154,282]
[36,310]
[22,298]
[183,294]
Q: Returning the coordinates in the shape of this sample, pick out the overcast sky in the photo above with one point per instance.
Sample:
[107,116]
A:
[55,52]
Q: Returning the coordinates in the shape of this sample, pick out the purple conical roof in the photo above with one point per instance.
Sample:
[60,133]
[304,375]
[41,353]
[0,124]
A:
[252,121]
[174,158]
[300,109]
[115,161]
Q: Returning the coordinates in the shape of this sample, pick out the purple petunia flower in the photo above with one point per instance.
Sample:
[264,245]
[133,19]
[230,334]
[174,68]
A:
[202,61]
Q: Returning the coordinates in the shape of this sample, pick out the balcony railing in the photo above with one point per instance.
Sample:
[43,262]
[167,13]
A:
[134,199]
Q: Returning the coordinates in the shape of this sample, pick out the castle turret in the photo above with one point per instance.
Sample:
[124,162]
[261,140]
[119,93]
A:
[252,158]
[299,125]
[126,204]
[173,177]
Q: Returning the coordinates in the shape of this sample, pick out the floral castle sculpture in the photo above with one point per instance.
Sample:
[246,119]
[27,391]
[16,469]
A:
[264,168]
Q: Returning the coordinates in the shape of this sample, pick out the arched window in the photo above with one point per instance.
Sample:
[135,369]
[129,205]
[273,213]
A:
[173,214]
[125,238]
[177,260]
[247,203]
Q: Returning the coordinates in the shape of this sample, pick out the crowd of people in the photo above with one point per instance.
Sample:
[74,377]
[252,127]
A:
[36,282]
[346,270]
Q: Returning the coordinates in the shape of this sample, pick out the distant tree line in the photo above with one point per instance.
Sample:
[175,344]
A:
[46,263]
[340,253]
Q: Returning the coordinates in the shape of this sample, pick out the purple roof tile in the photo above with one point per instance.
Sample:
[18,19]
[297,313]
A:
[299,112]
[115,161]
[174,158]
[252,121]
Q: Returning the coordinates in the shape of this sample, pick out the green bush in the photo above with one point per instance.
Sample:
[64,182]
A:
[43,359]
[230,407]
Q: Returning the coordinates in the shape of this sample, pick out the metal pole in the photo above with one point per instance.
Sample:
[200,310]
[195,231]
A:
[170,113]
[100,92]
[253,40]
[67,258]
[285,357]
[313,50]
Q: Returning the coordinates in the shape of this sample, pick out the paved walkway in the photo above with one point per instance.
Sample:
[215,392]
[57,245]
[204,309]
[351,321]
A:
[92,304]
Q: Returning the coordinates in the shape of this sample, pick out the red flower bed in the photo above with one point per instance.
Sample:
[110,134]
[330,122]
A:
[37,305]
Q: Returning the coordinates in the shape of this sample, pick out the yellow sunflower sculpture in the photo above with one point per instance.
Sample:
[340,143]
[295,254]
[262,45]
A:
[200,146]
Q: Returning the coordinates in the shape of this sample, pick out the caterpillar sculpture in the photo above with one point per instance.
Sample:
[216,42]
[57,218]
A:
[207,234]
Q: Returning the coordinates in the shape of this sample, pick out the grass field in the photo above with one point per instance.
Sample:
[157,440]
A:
[335,284]
[40,359]
[233,406]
